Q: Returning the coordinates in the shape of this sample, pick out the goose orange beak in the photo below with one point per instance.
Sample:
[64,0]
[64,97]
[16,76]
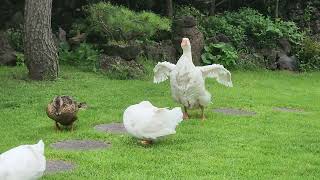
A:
[184,42]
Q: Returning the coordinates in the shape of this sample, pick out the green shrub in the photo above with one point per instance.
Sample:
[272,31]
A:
[20,58]
[111,22]
[15,37]
[220,53]
[219,24]
[309,55]
[262,29]
[190,11]
[85,56]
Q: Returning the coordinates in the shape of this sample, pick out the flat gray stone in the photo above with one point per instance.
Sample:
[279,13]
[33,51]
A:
[116,128]
[286,109]
[56,166]
[80,145]
[236,112]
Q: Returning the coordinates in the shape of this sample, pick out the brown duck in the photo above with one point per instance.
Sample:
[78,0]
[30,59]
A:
[63,110]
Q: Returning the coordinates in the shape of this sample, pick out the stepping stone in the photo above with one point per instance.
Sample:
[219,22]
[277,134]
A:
[80,145]
[116,128]
[237,112]
[286,109]
[56,166]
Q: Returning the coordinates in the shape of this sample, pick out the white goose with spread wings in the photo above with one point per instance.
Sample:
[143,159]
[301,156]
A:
[188,81]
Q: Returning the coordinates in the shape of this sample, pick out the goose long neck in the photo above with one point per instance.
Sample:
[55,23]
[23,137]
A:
[187,53]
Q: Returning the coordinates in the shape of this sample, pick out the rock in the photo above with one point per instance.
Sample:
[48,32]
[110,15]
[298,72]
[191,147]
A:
[62,35]
[186,22]
[7,53]
[162,35]
[270,56]
[182,28]
[128,51]
[17,20]
[285,45]
[79,38]
[219,38]
[163,51]
[287,63]
[120,68]
[316,26]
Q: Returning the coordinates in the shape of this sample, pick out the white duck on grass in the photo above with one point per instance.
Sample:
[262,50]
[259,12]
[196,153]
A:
[188,81]
[25,162]
[147,122]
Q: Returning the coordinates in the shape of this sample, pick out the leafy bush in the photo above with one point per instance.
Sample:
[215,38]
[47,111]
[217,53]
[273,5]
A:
[219,24]
[190,11]
[85,56]
[309,55]
[119,23]
[264,30]
[249,24]
[220,53]
[15,37]
[20,58]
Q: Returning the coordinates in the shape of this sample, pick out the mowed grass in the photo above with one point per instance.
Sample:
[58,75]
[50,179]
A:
[269,145]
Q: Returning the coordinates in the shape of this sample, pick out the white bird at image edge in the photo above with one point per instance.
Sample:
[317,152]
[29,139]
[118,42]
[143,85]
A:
[25,162]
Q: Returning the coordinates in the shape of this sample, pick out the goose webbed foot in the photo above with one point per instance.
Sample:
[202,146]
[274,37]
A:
[146,142]
[185,114]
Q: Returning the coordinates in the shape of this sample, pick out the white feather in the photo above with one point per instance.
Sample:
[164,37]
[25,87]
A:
[217,71]
[188,81]
[145,121]
[162,71]
[25,162]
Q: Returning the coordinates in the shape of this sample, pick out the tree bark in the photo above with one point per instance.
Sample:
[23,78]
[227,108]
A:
[277,9]
[169,8]
[40,50]
[212,8]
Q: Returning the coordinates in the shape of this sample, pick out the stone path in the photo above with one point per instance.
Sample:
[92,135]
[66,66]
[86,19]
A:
[286,109]
[80,145]
[237,112]
[56,166]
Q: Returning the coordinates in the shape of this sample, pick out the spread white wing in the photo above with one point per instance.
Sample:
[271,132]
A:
[162,71]
[217,71]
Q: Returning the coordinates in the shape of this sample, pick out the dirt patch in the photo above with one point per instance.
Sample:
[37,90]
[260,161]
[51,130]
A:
[80,145]
[237,112]
[116,128]
[56,166]
[286,109]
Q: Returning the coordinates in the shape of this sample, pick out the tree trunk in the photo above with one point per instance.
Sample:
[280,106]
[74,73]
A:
[169,8]
[212,8]
[277,9]
[40,50]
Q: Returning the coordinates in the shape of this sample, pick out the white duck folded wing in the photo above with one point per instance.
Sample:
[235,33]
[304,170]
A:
[25,162]
[147,122]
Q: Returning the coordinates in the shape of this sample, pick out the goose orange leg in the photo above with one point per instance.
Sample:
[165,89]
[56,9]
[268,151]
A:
[146,142]
[185,114]
[202,113]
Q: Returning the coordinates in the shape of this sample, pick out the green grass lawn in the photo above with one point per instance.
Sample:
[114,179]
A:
[268,145]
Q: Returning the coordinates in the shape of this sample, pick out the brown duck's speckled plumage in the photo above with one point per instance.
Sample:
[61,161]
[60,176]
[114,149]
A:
[63,109]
